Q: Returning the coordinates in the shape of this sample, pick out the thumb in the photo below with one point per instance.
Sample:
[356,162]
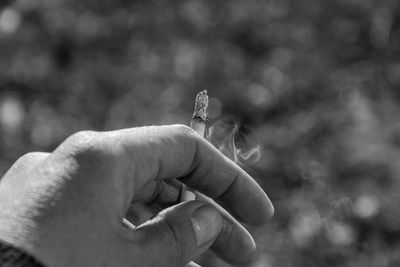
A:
[180,233]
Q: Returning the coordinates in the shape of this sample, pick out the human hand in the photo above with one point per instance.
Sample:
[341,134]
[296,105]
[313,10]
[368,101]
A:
[67,207]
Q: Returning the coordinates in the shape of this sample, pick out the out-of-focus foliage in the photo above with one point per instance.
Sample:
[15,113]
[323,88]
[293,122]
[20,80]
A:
[314,83]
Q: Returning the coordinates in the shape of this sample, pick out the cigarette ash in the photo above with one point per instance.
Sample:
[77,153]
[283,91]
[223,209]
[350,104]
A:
[200,106]
[228,136]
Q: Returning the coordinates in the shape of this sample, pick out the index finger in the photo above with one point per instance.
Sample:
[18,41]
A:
[176,151]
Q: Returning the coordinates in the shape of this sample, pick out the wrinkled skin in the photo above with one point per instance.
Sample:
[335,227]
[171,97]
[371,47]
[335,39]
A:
[67,208]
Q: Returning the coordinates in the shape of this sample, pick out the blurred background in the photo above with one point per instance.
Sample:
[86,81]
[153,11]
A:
[313,84]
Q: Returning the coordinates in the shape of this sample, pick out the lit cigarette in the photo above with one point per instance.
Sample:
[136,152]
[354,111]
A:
[198,123]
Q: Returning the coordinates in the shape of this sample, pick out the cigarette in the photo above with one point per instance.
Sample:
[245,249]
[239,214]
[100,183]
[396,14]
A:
[198,123]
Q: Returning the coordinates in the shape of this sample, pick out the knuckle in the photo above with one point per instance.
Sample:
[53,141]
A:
[83,146]
[82,141]
[83,138]
[94,154]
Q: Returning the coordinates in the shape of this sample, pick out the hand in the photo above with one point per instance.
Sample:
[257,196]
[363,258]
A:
[67,207]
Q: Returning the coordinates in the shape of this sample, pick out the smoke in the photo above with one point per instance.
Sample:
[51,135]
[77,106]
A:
[228,136]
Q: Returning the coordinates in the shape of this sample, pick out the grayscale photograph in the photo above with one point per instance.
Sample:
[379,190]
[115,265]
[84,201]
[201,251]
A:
[199,133]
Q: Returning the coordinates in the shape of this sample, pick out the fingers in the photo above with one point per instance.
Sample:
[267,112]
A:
[147,157]
[179,234]
[140,160]
[164,152]
[234,244]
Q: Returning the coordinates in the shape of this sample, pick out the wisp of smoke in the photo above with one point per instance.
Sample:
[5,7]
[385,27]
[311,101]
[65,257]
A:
[225,134]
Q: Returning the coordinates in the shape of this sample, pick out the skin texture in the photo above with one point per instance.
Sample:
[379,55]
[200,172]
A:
[67,207]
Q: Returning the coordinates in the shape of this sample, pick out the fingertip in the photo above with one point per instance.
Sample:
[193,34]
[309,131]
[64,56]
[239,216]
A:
[266,212]
[235,245]
[248,248]
[262,211]
[247,202]
[271,210]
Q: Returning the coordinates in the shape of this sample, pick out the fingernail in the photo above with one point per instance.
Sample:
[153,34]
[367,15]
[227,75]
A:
[206,222]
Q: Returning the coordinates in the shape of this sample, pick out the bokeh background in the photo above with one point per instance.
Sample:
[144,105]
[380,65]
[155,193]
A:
[314,84]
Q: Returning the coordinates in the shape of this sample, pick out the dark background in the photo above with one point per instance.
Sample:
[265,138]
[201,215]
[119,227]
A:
[314,83]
